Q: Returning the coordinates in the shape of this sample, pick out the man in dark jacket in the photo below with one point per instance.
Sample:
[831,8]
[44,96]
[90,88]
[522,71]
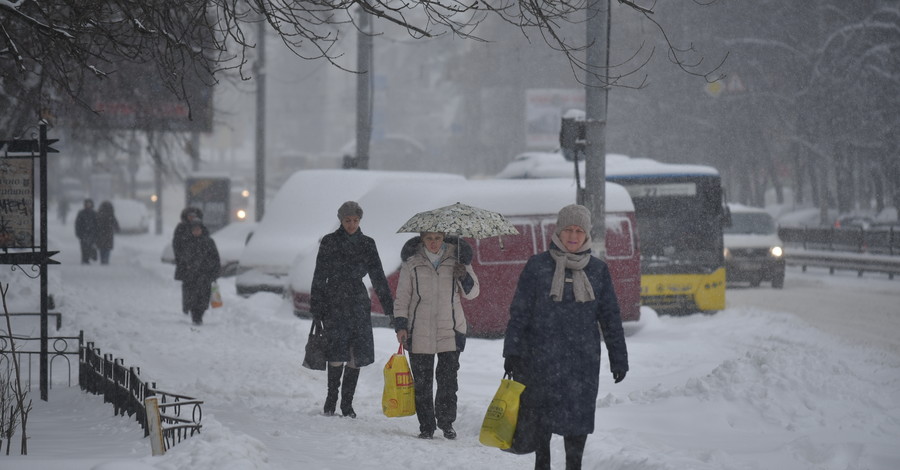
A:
[340,300]
[199,266]
[553,343]
[86,231]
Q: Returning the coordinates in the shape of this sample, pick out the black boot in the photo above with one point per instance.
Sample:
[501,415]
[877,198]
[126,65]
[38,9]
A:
[334,384]
[351,376]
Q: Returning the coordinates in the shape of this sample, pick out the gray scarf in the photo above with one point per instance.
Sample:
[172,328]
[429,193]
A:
[575,262]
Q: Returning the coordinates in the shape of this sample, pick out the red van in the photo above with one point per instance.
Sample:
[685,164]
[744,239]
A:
[531,205]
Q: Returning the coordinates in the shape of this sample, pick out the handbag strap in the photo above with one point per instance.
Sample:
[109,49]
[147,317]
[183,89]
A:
[400,349]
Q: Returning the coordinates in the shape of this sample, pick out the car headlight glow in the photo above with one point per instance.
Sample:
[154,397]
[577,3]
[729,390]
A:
[727,253]
[776,251]
[241,214]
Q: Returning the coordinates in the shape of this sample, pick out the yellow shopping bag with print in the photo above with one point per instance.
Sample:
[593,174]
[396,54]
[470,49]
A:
[499,423]
[399,398]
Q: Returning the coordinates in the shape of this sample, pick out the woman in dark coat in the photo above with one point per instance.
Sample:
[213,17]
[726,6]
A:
[552,342]
[86,231]
[180,238]
[199,265]
[341,301]
[107,227]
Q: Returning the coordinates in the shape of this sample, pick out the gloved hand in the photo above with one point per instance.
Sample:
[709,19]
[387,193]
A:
[510,365]
[459,271]
[618,375]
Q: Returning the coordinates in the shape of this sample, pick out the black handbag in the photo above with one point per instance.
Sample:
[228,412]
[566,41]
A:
[528,435]
[316,347]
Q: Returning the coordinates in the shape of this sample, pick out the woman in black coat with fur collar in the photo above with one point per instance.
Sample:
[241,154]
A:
[340,300]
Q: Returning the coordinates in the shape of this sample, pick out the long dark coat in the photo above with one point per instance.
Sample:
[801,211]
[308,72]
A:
[107,226]
[86,225]
[340,297]
[182,235]
[558,344]
[199,266]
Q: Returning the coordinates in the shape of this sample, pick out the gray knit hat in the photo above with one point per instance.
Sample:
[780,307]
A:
[349,208]
[574,214]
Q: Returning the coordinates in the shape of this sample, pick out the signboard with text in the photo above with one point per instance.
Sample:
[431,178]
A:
[17,202]
[544,109]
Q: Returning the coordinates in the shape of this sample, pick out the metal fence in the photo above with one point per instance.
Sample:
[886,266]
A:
[103,374]
[849,249]
[858,240]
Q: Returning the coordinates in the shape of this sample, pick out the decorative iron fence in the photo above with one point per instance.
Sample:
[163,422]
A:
[103,374]
[61,351]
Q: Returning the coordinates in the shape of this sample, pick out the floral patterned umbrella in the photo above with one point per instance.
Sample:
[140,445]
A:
[460,220]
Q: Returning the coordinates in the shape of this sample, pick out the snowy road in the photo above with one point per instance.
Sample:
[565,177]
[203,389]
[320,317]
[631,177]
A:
[864,310]
[750,387]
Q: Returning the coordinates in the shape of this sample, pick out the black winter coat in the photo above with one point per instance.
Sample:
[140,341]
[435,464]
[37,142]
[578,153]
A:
[107,227]
[558,344]
[199,261]
[340,298]
[181,236]
[86,225]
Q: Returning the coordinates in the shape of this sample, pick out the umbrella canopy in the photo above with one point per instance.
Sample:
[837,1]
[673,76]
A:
[460,220]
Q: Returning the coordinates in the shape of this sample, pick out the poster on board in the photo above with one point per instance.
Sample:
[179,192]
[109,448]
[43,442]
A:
[17,202]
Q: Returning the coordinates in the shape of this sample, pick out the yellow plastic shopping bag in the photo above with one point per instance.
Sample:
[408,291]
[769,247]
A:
[399,398]
[499,423]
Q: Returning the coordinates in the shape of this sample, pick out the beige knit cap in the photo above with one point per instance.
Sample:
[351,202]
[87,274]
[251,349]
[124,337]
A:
[349,208]
[573,214]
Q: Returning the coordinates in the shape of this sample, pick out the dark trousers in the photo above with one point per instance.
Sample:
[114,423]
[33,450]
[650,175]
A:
[442,406]
[87,251]
[104,255]
[574,452]
[195,298]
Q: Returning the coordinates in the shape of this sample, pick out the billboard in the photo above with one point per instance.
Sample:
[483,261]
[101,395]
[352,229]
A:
[544,108]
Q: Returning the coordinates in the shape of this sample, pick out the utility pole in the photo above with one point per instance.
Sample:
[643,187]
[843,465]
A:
[597,28]
[363,90]
[260,72]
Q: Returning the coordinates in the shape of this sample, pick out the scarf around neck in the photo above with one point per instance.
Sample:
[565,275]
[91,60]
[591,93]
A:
[435,258]
[574,262]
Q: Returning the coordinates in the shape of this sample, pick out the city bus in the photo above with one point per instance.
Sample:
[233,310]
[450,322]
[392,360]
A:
[680,212]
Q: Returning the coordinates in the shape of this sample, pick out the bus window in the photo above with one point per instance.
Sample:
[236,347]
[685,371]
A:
[515,248]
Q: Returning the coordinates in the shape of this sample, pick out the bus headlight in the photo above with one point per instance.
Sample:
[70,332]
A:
[727,253]
[776,252]
[241,214]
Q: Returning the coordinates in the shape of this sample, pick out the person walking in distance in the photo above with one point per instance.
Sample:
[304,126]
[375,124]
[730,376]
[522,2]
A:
[86,231]
[107,227]
[340,300]
[180,240]
[199,265]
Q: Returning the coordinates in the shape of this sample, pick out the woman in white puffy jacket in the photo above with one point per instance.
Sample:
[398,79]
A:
[429,321]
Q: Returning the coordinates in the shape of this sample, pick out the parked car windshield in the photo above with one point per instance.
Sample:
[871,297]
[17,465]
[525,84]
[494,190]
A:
[747,223]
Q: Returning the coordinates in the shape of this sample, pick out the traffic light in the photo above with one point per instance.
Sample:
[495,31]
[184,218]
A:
[571,137]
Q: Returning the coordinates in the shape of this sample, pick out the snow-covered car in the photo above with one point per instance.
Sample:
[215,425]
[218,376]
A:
[753,251]
[305,209]
[230,240]
[132,215]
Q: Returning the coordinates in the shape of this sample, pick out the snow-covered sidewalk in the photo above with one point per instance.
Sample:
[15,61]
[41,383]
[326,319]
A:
[747,388]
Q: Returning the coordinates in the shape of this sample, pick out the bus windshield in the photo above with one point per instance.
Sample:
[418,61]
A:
[679,220]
